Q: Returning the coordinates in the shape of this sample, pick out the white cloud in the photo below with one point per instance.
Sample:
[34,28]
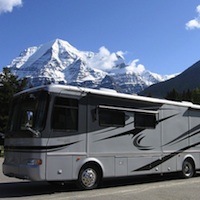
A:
[134,67]
[104,59]
[194,23]
[198,9]
[8,5]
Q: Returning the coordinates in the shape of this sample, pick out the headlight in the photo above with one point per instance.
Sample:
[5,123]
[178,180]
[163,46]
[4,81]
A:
[34,162]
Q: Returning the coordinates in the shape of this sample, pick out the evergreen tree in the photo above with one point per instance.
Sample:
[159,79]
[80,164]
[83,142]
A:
[9,85]
[173,95]
[186,95]
[192,96]
[195,96]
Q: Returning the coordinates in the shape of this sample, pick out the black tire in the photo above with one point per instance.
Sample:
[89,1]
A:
[89,177]
[188,168]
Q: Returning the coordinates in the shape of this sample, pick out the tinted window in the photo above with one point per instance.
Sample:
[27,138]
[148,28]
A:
[111,118]
[65,114]
[145,120]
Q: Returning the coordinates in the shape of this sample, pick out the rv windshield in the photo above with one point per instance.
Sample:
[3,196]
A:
[28,114]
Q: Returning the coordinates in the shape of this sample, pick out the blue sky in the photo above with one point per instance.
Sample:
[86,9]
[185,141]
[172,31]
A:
[163,34]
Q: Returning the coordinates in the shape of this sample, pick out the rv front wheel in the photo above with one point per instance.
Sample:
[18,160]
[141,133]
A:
[89,177]
[188,168]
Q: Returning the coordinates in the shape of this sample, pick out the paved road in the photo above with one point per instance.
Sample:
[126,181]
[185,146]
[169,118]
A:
[151,188]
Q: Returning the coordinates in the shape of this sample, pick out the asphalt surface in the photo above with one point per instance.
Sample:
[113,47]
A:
[168,187]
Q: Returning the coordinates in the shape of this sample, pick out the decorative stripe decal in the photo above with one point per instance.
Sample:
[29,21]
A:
[133,132]
[185,135]
[137,141]
[166,118]
[38,148]
[165,158]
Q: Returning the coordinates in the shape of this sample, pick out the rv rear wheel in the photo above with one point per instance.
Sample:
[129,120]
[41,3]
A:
[89,177]
[188,168]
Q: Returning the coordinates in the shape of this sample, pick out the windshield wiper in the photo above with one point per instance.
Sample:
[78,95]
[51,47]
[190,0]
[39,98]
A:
[35,133]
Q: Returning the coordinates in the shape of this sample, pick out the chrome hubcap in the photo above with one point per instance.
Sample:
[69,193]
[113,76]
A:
[187,170]
[89,177]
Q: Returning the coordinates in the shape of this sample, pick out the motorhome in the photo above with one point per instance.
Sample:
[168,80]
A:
[62,133]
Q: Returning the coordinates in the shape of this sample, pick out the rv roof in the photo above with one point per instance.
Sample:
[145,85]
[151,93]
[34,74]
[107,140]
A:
[59,88]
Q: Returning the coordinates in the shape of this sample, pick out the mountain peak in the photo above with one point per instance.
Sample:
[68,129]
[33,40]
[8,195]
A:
[61,42]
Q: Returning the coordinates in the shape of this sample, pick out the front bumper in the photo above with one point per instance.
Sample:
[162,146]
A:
[30,168]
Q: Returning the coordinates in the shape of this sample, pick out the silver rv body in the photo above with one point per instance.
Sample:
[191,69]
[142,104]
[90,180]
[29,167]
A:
[64,133]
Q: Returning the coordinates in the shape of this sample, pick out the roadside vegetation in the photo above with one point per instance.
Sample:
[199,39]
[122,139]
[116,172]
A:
[189,95]
[9,85]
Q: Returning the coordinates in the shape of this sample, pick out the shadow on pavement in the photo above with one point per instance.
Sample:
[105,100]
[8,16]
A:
[25,189]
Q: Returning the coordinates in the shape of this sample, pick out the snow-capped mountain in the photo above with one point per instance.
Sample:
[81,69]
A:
[60,62]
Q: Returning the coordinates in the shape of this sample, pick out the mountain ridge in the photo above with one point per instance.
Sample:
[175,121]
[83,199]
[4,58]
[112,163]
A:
[59,62]
[187,80]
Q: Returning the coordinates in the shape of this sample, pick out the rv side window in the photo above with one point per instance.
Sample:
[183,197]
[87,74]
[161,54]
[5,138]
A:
[111,118]
[145,120]
[65,114]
